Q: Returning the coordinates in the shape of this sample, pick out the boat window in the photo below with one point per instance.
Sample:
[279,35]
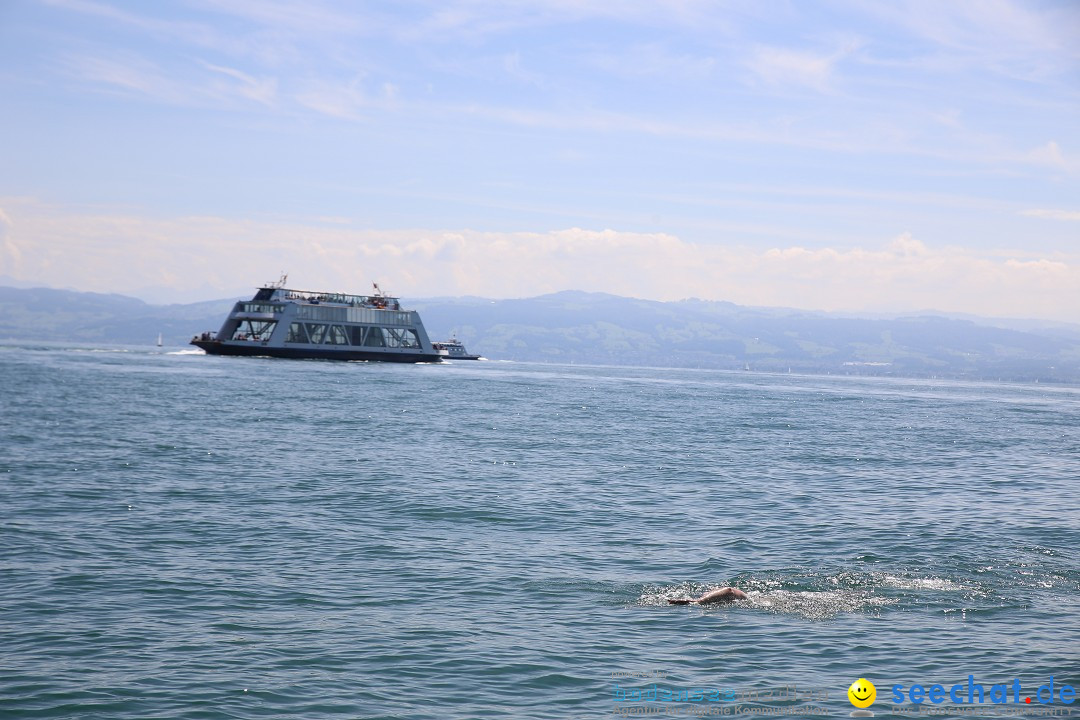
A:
[337,336]
[326,314]
[253,307]
[316,332]
[296,334]
[374,316]
[375,337]
[257,330]
[401,337]
[357,334]
[360,315]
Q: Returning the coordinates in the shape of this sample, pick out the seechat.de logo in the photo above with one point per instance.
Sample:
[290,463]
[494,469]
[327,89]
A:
[862,694]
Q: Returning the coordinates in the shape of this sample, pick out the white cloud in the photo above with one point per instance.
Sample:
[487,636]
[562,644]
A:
[128,73]
[1031,41]
[307,16]
[654,60]
[1049,154]
[218,257]
[781,66]
[454,20]
[173,29]
[1053,214]
[315,48]
[342,100]
[10,256]
[512,66]
[262,90]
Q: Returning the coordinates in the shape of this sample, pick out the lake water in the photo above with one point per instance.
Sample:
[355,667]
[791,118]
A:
[186,536]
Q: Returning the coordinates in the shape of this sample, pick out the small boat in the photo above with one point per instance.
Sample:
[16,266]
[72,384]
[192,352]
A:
[452,349]
[159,339]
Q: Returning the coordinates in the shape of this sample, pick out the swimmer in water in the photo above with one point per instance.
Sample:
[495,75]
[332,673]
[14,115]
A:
[723,595]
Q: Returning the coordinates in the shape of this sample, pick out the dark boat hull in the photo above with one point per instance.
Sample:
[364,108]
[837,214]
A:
[213,347]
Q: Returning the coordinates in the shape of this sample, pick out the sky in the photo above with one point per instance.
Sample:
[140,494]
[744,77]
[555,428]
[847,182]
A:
[848,156]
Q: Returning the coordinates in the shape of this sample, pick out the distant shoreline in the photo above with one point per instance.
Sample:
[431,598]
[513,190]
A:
[577,328]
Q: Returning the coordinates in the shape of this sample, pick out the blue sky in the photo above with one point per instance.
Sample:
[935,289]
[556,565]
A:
[832,155]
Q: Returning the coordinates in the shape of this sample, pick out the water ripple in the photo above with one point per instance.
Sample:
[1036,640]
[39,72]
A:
[196,537]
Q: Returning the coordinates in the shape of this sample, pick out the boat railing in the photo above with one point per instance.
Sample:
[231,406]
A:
[375,301]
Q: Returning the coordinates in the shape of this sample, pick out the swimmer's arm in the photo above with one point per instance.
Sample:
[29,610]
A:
[724,594]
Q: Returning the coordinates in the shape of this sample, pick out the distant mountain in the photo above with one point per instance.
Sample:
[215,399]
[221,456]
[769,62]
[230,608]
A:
[606,329]
[65,315]
[596,328]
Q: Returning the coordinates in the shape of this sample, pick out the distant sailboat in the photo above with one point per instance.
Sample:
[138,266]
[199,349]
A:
[159,339]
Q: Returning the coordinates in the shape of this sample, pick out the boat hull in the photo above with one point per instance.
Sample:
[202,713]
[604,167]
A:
[213,347]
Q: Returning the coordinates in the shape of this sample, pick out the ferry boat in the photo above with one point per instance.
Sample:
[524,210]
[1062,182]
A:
[452,349]
[279,322]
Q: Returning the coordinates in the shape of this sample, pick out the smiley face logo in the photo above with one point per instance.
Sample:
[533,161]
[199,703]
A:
[862,693]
